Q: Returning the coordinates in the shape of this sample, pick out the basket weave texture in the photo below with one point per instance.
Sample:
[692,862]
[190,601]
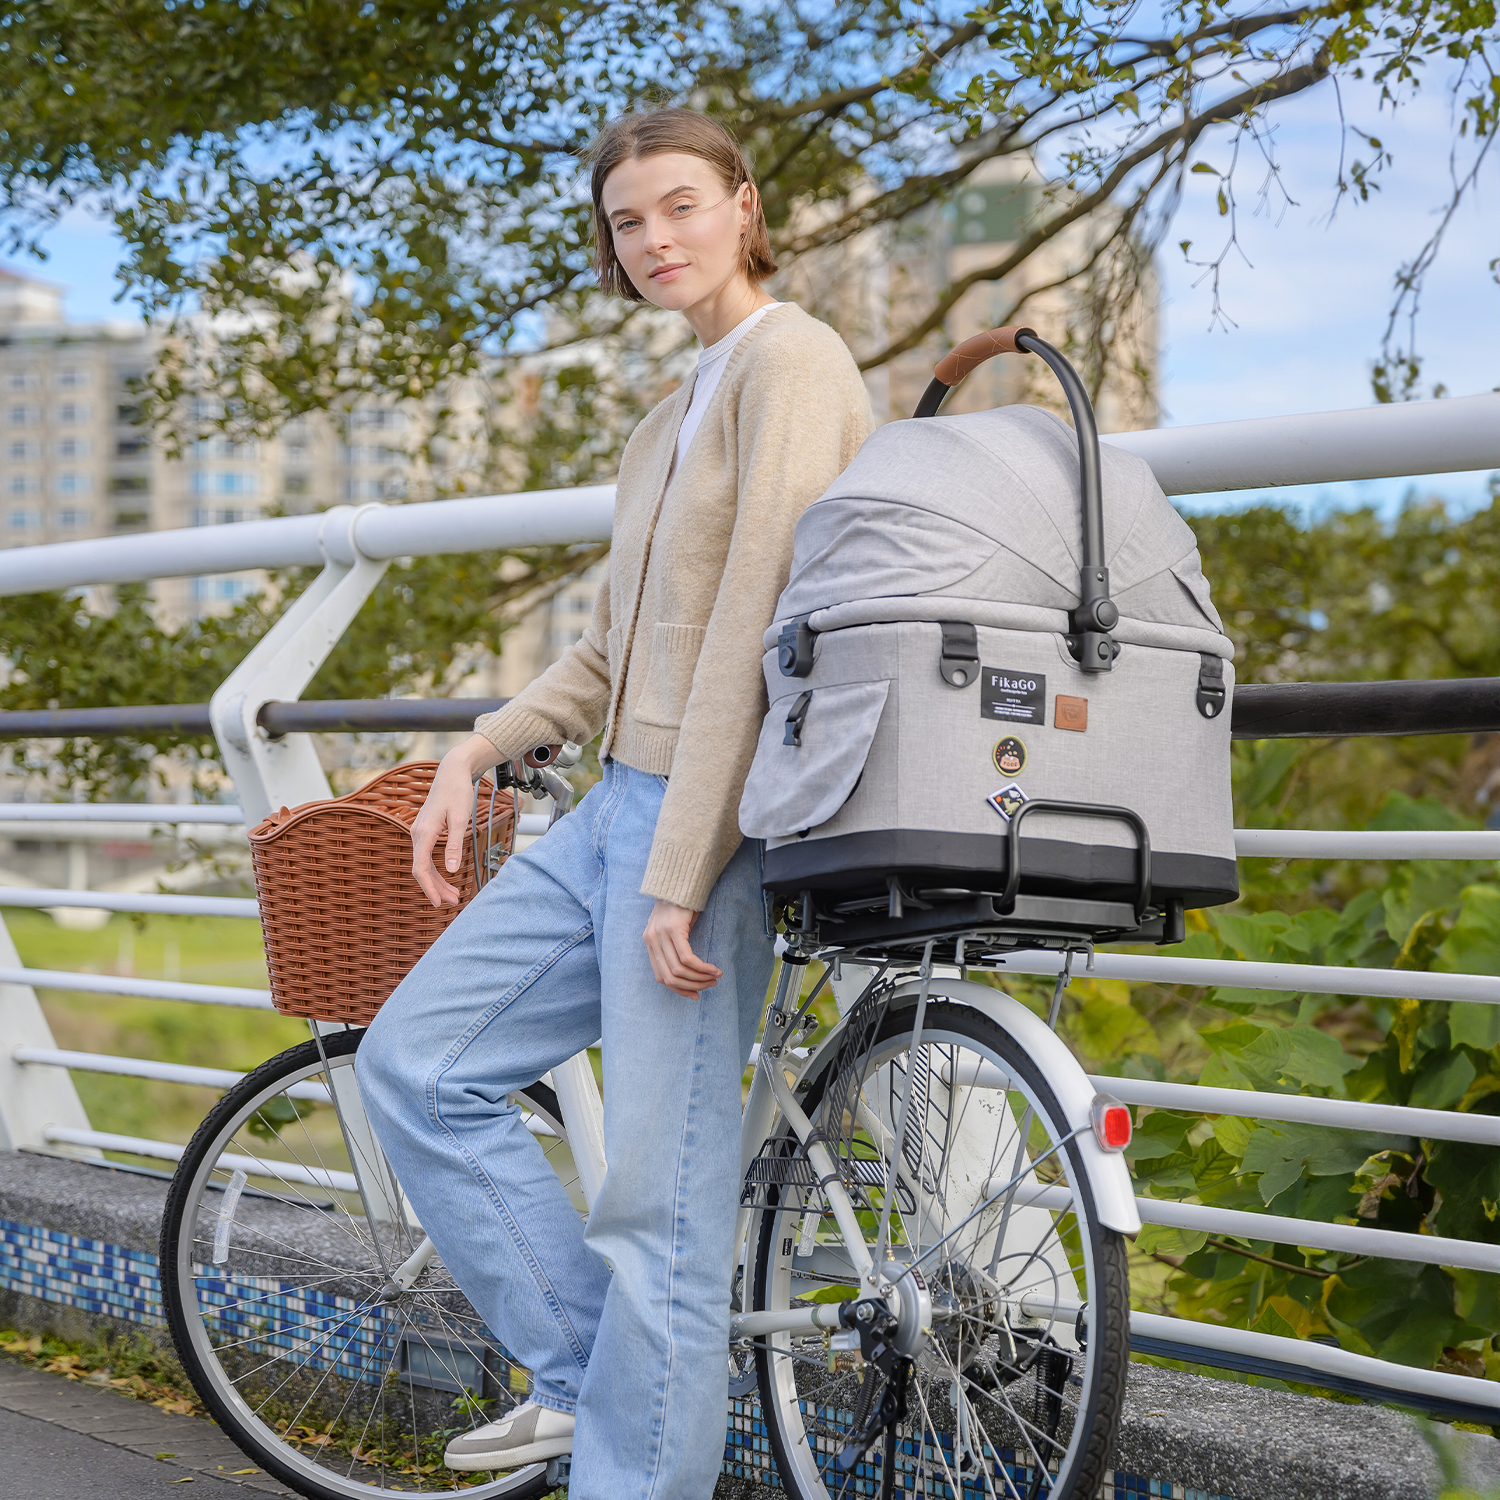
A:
[344,919]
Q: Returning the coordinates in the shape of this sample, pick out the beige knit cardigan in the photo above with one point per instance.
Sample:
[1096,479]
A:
[670,664]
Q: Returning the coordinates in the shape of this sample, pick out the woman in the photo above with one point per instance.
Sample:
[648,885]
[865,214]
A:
[638,918]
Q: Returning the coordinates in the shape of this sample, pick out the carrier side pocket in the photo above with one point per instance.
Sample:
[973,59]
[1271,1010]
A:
[799,780]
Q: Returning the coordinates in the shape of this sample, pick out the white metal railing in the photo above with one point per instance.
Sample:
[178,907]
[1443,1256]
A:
[354,544]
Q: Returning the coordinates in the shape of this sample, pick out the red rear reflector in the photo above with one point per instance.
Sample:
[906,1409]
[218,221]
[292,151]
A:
[1111,1122]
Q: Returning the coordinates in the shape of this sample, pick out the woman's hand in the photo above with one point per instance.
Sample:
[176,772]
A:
[672,958]
[445,814]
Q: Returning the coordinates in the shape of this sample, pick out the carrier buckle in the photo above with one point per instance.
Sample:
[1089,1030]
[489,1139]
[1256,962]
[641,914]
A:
[794,649]
[959,662]
[1210,685]
[794,720]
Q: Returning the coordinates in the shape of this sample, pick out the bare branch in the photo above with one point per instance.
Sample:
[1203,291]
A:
[1179,138]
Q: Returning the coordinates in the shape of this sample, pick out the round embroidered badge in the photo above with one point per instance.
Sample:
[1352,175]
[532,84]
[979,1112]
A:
[1010,756]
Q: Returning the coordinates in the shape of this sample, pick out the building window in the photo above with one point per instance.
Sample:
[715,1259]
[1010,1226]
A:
[23,416]
[20,450]
[377,419]
[374,489]
[74,448]
[126,520]
[203,517]
[127,411]
[224,484]
[22,380]
[205,590]
[23,484]
[24,518]
[294,484]
[129,447]
[70,414]
[72,483]
[72,380]
[222,447]
[128,484]
[72,519]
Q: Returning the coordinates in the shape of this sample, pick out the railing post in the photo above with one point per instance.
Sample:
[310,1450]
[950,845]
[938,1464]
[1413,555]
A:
[31,1097]
[267,772]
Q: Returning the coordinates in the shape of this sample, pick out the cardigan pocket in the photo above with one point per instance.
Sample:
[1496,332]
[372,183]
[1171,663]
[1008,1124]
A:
[669,674]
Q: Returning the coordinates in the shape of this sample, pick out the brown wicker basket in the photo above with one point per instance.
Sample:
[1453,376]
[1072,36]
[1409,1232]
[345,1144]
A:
[343,918]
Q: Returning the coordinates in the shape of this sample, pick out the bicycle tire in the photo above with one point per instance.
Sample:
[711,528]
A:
[791,1393]
[302,1464]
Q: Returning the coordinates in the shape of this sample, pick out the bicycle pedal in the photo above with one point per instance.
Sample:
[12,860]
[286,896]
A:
[559,1471]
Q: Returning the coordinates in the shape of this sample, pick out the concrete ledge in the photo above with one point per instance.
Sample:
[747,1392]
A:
[1184,1436]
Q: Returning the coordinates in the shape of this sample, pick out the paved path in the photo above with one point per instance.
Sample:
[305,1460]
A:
[66,1440]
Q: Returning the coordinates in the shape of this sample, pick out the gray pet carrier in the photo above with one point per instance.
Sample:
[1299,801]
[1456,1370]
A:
[984,716]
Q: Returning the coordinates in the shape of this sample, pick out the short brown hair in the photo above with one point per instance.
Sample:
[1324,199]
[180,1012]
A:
[651,133]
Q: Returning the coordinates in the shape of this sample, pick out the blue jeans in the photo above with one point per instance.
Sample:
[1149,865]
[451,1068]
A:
[544,961]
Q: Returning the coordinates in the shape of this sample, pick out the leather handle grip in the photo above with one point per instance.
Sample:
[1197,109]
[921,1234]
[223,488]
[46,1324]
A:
[957,363]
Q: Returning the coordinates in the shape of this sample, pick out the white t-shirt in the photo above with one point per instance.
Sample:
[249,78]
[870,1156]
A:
[710,369]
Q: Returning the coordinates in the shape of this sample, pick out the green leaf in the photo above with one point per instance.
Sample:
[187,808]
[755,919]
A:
[1476,1026]
[1154,1239]
[1442,1081]
[1281,1153]
[1302,1054]
[1233,1133]
[1473,945]
[1477,1298]
[1400,1311]
[1160,1134]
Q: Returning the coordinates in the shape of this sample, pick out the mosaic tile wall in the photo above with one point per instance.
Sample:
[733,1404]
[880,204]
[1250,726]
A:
[97,1277]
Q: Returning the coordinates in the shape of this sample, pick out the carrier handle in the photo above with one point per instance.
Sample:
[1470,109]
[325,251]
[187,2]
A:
[1096,614]
[1080,810]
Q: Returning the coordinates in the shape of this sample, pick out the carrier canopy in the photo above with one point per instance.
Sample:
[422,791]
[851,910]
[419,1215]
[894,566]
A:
[985,506]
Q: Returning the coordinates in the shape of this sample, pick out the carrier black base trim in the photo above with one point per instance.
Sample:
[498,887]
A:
[851,863]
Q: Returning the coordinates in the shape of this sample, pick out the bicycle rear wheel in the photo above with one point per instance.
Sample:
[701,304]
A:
[281,1244]
[1017,1393]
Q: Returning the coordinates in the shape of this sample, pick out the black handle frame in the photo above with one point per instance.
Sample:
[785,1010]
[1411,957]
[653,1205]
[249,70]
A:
[1096,614]
[1080,810]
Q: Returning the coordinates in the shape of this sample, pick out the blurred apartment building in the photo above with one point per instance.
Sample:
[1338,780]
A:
[75,461]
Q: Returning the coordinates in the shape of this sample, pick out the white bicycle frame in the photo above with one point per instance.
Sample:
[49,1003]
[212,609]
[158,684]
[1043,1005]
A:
[778,1072]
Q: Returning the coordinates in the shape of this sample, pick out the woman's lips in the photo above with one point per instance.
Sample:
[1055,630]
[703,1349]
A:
[668,273]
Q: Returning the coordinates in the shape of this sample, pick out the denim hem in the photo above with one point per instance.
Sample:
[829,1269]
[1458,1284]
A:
[554,1403]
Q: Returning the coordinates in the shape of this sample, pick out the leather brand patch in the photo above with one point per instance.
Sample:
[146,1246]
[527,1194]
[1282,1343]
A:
[1071,713]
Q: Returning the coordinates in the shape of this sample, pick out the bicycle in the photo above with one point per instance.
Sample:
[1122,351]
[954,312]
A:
[931,1295]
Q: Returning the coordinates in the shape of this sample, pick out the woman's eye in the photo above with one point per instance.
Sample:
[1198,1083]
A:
[622,225]
[682,208]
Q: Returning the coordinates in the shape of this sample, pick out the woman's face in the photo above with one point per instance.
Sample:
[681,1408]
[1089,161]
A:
[677,229]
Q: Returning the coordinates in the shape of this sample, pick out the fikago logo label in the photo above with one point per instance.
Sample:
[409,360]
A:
[1019,697]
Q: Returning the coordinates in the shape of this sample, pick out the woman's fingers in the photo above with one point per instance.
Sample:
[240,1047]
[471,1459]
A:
[673,961]
[439,813]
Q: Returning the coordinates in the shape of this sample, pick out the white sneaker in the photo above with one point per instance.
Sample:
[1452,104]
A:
[530,1434]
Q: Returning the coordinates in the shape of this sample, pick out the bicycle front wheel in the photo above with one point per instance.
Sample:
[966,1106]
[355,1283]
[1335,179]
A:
[284,1248]
[1017,1392]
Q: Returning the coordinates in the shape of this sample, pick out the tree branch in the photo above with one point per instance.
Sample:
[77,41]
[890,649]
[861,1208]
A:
[1180,136]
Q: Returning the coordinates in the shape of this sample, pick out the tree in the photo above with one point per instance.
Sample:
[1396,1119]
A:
[387,193]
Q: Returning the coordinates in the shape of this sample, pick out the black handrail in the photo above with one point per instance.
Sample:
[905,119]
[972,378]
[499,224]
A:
[1262,711]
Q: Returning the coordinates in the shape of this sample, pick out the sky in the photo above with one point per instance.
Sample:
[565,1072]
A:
[1306,301]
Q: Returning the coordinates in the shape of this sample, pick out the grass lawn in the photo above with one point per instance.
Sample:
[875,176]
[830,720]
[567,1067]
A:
[209,950]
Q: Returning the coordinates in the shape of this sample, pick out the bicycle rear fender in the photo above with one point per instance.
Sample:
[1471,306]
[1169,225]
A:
[1114,1195]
